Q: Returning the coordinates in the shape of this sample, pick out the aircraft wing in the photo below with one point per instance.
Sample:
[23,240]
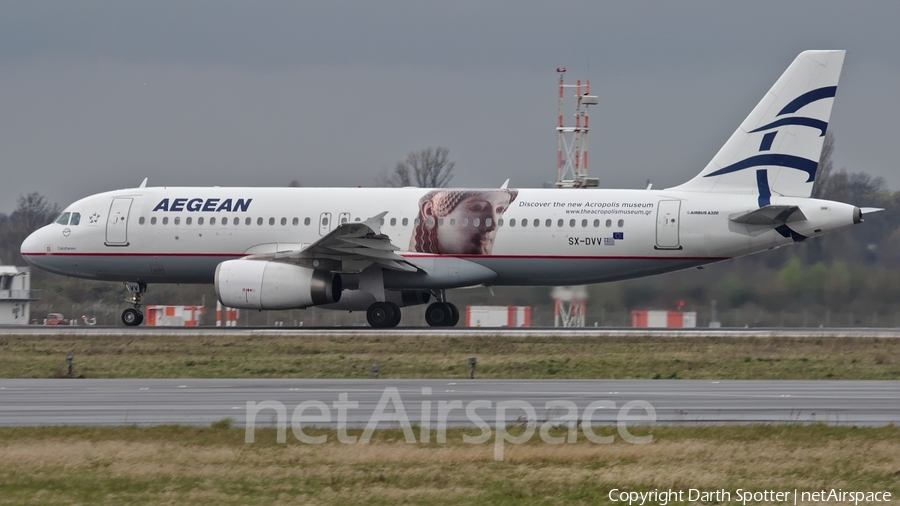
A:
[769,215]
[349,247]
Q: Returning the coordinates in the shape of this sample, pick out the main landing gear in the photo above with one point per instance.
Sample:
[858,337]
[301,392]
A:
[383,315]
[442,313]
[133,316]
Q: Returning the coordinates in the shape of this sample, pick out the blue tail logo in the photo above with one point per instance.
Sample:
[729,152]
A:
[782,160]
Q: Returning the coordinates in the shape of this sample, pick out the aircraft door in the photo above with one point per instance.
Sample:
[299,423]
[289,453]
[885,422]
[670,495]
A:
[343,218]
[117,222]
[668,222]
[324,223]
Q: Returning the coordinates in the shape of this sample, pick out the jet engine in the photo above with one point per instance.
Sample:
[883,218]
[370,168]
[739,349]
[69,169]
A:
[260,284]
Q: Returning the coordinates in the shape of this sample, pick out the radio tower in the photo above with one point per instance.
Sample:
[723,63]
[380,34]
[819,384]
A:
[572,172]
[572,145]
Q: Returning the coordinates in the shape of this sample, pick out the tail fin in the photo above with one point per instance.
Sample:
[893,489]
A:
[776,149]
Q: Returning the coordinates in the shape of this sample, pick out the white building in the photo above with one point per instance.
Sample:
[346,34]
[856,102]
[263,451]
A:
[16,295]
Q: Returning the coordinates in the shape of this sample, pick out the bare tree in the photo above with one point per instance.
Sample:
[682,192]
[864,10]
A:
[33,212]
[823,185]
[426,168]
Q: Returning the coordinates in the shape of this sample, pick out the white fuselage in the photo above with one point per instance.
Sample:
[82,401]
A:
[180,235]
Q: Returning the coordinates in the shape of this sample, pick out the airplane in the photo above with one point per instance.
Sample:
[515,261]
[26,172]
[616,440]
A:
[383,249]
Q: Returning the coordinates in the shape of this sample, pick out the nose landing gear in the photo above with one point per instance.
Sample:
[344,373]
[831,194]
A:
[133,316]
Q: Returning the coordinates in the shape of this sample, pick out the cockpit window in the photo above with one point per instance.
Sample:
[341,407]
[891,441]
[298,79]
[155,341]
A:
[76,219]
[63,219]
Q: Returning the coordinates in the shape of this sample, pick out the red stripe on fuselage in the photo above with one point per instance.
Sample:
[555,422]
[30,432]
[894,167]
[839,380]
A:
[411,256]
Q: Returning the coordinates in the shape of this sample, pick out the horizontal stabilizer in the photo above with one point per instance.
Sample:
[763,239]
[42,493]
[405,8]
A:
[769,215]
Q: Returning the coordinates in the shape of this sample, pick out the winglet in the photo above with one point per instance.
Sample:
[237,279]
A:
[505,184]
[143,183]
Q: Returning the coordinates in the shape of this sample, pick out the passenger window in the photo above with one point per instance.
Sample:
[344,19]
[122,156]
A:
[596,223]
[500,222]
[476,222]
[64,219]
[572,223]
[283,221]
[187,221]
[429,222]
[584,223]
[306,221]
[537,222]
[512,222]
[76,219]
[200,220]
[177,220]
[380,222]
[394,221]
[141,221]
[405,221]
[248,221]
[296,222]
[259,221]
[440,221]
[548,223]
[324,222]
[488,222]
[271,221]
[452,222]
[524,223]
[153,220]
[621,223]
[416,222]
[165,220]
[559,223]
[212,221]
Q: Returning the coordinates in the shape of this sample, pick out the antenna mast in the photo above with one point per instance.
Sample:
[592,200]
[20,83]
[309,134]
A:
[572,146]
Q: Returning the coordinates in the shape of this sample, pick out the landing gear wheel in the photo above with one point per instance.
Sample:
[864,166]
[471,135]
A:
[397,314]
[454,315]
[439,314]
[380,315]
[132,317]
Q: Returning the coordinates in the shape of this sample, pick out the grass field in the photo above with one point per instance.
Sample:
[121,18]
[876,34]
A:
[176,465]
[321,356]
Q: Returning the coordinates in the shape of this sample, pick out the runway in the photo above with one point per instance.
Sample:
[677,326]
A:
[110,402]
[442,332]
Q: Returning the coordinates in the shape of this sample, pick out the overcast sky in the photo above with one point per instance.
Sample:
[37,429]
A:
[95,96]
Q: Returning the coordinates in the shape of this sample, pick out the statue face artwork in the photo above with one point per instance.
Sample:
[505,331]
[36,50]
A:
[461,222]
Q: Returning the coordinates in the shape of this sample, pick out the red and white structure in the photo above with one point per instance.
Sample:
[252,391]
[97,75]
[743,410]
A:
[664,319]
[498,316]
[572,146]
[173,316]
[569,305]
[226,316]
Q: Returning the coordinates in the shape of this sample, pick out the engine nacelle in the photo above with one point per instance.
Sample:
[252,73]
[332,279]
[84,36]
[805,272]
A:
[259,284]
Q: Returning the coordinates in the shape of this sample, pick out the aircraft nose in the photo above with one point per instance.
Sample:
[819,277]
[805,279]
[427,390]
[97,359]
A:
[32,247]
